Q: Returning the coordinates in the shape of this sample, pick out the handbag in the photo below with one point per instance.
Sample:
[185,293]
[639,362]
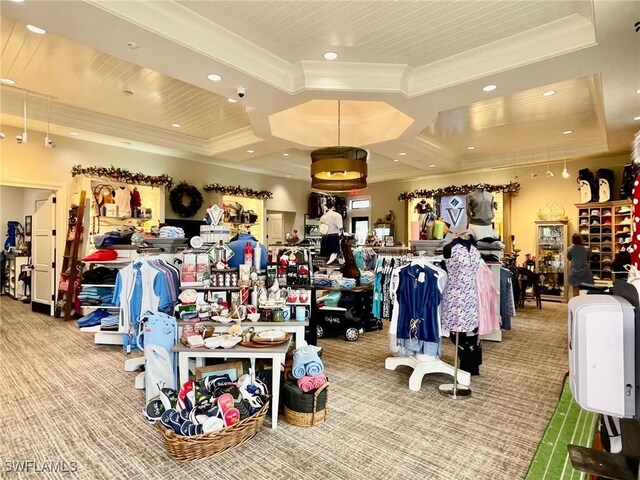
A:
[324,228]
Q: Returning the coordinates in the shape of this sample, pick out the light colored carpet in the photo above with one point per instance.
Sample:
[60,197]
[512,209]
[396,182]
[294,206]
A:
[65,398]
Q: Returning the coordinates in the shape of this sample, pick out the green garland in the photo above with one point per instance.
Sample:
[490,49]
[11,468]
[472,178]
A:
[176,197]
[511,187]
[238,191]
[122,175]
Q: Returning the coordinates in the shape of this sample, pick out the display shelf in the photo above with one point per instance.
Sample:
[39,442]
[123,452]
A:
[212,289]
[101,285]
[551,261]
[96,307]
[610,225]
[246,323]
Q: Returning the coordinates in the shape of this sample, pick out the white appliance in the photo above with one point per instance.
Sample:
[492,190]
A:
[601,354]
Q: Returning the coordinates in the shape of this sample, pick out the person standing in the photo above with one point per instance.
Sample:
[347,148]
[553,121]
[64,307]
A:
[579,271]
[330,227]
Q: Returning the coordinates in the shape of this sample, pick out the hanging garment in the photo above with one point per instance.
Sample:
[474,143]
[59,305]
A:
[459,309]
[507,301]
[469,352]
[123,200]
[488,317]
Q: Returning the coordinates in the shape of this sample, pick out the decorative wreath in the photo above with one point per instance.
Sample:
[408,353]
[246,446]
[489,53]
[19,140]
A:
[176,198]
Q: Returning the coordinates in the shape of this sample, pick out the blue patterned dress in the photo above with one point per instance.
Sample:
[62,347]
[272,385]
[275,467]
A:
[459,308]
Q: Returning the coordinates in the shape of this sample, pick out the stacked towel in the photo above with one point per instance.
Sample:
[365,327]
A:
[171,232]
[306,362]
[309,384]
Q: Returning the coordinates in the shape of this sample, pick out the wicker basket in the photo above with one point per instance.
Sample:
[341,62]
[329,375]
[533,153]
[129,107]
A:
[185,448]
[308,419]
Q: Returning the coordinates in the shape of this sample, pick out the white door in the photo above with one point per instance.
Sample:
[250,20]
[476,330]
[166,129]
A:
[275,229]
[43,254]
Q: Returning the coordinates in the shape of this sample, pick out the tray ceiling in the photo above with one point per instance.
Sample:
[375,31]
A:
[426,60]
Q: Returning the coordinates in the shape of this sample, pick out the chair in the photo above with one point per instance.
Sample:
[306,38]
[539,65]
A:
[529,285]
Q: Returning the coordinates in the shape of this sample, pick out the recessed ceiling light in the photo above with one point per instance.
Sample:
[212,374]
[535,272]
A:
[567,132]
[330,55]
[232,100]
[126,143]
[402,154]
[637,118]
[7,81]
[396,160]
[17,1]
[75,134]
[489,88]
[214,77]
[128,93]
[176,125]
[285,154]
[38,30]
[549,93]
[133,45]
[471,147]
[288,176]
[638,91]
[251,151]
[432,166]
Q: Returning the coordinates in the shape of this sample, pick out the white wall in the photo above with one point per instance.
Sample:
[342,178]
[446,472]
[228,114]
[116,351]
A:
[534,193]
[16,203]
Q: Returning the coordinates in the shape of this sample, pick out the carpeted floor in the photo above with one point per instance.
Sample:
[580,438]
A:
[65,398]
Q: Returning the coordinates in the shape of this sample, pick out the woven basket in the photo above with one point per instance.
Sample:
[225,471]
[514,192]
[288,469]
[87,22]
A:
[308,419]
[185,448]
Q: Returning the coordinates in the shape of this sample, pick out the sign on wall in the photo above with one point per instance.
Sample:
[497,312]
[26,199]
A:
[453,210]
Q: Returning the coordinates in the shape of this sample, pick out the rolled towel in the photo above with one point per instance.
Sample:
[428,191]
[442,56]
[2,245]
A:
[302,357]
[318,380]
[306,384]
[315,367]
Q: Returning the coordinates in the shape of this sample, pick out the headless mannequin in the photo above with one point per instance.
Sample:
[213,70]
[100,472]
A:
[480,213]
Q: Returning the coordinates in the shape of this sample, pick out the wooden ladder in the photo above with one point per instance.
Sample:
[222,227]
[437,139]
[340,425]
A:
[67,284]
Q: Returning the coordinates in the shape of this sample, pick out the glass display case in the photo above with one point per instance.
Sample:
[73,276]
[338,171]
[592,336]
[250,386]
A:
[551,259]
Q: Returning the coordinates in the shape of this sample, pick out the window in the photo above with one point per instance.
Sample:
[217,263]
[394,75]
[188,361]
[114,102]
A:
[360,204]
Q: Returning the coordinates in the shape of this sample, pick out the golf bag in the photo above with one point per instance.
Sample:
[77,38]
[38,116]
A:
[605,184]
[626,189]
[157,337]
[587,183]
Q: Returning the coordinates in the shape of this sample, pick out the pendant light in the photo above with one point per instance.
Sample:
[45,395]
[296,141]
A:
[47,140]
[549,172]
[339,168]
[24,137]
[565,172]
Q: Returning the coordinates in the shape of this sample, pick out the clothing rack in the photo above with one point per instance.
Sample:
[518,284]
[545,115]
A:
[424,364]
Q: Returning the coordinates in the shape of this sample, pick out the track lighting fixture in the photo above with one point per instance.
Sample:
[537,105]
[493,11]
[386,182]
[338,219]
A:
[549,172]
[565,172]
[1,135]
[23,138]
[48,143]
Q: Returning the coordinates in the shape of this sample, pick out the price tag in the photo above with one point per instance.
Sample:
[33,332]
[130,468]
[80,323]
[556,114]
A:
[421,277]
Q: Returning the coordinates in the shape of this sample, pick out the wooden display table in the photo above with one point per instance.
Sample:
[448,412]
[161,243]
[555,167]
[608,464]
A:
[277,355]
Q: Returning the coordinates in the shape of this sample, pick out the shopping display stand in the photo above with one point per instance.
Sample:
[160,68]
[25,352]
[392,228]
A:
[454,390]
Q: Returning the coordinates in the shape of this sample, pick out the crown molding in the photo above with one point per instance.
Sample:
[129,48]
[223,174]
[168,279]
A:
[239,138]
[352,76]
[177,23]
[434,150]
[559,37]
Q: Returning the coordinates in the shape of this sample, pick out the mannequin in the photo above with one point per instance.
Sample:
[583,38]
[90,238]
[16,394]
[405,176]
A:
[425,219]
[480,206]
[330,243]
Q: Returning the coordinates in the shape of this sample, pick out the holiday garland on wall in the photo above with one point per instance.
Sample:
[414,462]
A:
[123,175]
[177,198]
[511,187]
[238,191]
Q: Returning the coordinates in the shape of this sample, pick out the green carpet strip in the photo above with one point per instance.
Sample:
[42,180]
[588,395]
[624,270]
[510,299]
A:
[570,424]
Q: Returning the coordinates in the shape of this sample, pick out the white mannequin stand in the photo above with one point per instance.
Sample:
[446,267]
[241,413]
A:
[133,364]
[423,365]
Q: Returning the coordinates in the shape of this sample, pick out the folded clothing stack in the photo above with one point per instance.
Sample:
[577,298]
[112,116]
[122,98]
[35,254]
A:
[100,275]
[119,236]
[331,299]
[322,282]
[110,323]
[345,283]
[171,232]
[490,244]
[94,318]
[367,278]
[96,296]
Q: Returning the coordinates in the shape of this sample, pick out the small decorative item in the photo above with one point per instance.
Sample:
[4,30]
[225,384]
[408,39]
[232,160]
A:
[214,215]
[389,241]
[292,237]
[238,191]
[122,175]
[177,199]
[511,187]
